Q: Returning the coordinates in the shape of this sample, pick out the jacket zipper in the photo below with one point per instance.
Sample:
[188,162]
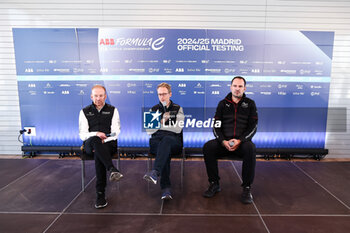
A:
[234,132]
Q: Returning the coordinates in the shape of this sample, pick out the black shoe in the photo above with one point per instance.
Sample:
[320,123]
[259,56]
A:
[100,201]
[213,188]
[166,194]
[151,176]
[246,197]
[115,174]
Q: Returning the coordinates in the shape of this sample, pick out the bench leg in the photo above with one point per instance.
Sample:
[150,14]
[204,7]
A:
[118,159]
[118,167]
[183,167]
[149,165]
[83,175]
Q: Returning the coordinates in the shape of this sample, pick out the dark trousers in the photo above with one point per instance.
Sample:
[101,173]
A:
[103,159]
[213,150]
[163,147]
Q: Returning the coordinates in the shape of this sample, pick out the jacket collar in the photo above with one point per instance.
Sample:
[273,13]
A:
[162,108]
[94,106]
[229,98]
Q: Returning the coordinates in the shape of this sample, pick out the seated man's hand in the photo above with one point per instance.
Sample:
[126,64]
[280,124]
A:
[235,145]
[101,135]
[225,143]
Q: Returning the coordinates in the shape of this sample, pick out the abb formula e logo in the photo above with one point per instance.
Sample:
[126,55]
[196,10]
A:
[134,43]
[107,41]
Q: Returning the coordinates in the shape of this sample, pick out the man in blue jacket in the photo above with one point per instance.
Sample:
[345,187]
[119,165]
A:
[239,118]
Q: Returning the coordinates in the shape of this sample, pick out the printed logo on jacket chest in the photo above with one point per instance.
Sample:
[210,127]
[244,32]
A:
[105,113]
[244,105]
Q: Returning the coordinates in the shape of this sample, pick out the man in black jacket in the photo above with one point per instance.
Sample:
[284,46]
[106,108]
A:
[239,118]
[99,127]
[165,141]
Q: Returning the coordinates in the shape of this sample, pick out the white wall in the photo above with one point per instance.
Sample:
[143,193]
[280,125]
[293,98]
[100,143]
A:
[320,15]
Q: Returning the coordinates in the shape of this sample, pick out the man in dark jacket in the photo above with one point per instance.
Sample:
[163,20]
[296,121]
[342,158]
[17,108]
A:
[239,118]
[166,140]
[99,127]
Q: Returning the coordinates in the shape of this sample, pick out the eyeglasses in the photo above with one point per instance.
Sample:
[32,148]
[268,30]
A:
[163,94]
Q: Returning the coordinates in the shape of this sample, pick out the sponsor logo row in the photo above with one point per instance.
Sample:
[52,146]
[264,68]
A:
[155,70]
[186,85]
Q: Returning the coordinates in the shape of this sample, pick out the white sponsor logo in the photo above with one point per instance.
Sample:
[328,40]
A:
[298,93]
[131,84]
[199,85]
[213,70]
[316,87]
[299,86]
[137,70]
[61,70]
[115,92]
[289,71]
[153,70]
[180,70]
[282,85]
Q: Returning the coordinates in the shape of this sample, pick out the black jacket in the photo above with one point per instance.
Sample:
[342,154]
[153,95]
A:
[99,121]
[173,110]
[238,121]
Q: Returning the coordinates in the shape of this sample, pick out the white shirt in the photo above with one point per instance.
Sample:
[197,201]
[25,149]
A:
[84,133]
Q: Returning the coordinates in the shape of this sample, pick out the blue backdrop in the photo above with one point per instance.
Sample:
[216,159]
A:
[288,74]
